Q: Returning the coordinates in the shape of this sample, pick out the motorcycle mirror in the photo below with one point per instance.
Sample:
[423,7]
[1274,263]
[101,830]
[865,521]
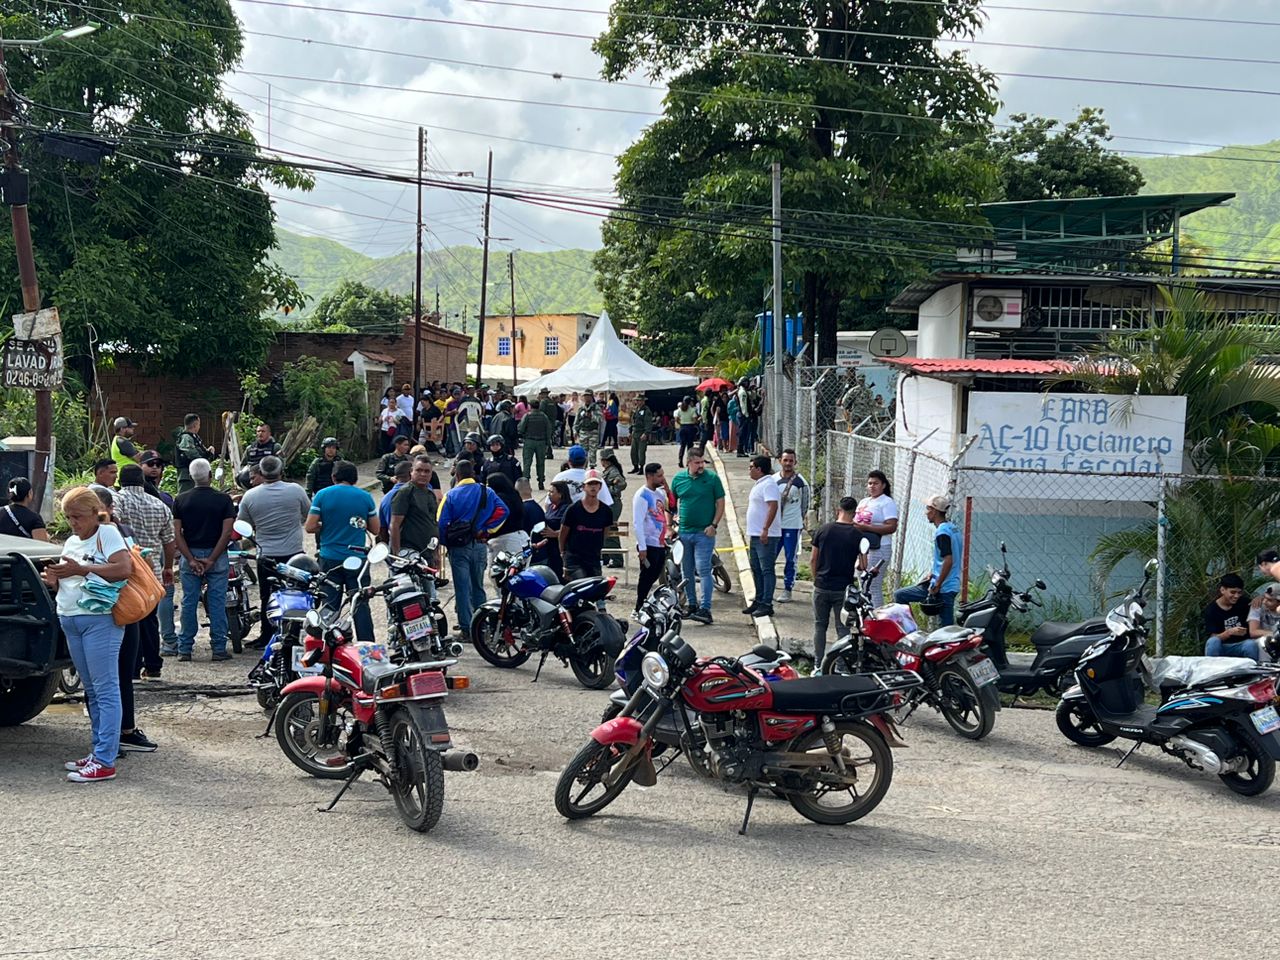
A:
[677,552]
[865,546]
[1041,585]
[313,619]
[1002,549]
[379,552]
[539,527]
[358,523]
[432,544]
[219,473]
[352,563]
[1152,564]
[244,528]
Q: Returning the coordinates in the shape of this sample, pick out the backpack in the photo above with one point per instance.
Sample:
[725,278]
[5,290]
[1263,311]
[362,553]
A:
[461,533]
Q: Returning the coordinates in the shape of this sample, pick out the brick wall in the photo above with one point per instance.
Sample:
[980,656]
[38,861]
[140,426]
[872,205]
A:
[158,403]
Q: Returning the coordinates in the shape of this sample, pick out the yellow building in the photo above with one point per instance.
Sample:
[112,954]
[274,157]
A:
[542,341]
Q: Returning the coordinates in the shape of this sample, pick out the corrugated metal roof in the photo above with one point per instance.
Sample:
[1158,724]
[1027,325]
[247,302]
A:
[950,367]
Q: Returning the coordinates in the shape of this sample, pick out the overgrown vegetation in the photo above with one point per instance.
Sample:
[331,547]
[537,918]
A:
[316,388]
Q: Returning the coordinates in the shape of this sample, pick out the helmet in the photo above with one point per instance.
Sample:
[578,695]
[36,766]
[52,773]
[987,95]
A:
[304,562]
[495,439]
[577,455]
[473,437]
[505,405]
[931,608]
[328,442]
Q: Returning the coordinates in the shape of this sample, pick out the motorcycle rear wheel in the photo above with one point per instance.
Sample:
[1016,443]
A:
[594,670]
[236,630]
[1260,772]
[863,748]
[588,768]
[1078,724]
[721,578]
[962,703]
[419,786]
[296,721]
[486,638]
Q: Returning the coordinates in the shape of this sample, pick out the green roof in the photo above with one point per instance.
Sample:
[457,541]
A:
[1146,216]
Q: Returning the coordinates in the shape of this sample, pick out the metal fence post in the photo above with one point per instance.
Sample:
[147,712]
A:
[1162,522]
[823,508]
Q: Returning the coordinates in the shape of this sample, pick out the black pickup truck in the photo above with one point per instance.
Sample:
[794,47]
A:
[32,650]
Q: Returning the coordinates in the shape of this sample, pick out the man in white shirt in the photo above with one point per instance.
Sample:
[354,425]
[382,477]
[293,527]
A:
[404,410]
[764,529]
[577,474]
[469,417]
[793,504]
[649,523]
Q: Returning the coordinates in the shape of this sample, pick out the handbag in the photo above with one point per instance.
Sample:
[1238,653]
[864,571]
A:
[460,533]
[140,594]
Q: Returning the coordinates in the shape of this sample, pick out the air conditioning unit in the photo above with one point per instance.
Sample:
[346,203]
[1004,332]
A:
[997,309]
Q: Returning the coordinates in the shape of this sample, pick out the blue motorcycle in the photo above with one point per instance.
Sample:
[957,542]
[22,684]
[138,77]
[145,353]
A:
[296,589]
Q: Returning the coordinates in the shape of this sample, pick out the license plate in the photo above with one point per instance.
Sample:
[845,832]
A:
[1265,720]
[417,629]
[984,672]
[298,668]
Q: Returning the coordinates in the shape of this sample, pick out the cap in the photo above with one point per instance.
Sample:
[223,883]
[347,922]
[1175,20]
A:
[152,456]
[939,502]
[593,476]
[1269,555]
[122,422]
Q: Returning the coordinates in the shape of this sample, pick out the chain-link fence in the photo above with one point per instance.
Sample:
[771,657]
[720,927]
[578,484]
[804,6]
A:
[1088,536]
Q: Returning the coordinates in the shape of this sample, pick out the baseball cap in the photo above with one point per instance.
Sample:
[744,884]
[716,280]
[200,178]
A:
[122,422]
[593,476]
[939,502]
[1269,555]
[149,456]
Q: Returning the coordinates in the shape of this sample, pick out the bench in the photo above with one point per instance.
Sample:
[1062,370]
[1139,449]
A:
[621,530]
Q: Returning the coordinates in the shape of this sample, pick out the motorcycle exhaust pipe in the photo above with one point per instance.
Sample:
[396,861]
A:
[460,761]
[455,649]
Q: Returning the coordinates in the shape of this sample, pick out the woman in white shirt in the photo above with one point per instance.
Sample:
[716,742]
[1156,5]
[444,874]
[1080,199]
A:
[877,518]
[95,553]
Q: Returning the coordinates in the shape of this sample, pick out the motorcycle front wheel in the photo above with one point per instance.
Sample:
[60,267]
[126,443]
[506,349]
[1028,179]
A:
[1078,724]
[490,639]
[236,629]
[963,704]
[581,791]
[830,796]
[297,729]
[721,577]
[419,785]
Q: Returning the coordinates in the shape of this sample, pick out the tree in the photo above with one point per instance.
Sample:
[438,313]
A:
[1038,161]
[854,102]
[161,248]
[358,308]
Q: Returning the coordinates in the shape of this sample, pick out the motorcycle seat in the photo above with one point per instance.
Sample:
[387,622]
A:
[553,593]
[942,635]
[293,614]
[1051,634]
[816,694]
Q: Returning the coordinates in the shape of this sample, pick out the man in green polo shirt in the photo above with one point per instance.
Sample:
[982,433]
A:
[701,498]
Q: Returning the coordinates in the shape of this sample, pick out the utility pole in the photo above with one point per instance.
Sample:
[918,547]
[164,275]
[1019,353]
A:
[484,271]
[417,281]
[511,274]
[778,324]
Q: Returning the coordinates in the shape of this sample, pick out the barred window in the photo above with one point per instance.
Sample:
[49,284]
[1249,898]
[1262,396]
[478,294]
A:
[504,346]
[551,346]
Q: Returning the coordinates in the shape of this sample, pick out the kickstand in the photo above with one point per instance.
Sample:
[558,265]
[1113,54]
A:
[270,723]
[751,799]
[537,673]
[355,772]
[1129,753]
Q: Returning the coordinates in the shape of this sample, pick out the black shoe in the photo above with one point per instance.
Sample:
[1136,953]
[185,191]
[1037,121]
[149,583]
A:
[541,485]
[184,658]
[750,609]
[259,644]
[701,615]
[136,742]
[224,655]
[763,611]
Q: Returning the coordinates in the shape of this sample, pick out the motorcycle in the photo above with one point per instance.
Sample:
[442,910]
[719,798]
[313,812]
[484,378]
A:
[416,621]
[808,740]
[1218,714]
[242,583]
[296,593]
[1058,645]
[370,713]
[958,680]
[536,613]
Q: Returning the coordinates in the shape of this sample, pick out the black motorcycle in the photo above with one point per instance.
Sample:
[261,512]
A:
[536,613]
[242,589]
[1058,645]
[1217,714]
[415,620]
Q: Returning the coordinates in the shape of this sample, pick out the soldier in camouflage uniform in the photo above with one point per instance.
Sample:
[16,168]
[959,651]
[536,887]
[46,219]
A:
[537,428]
[641,424]
[587,424]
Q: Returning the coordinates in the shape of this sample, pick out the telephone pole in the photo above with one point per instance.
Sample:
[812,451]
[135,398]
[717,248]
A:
[511,275]
[484,271]
[779,325]
[417,281]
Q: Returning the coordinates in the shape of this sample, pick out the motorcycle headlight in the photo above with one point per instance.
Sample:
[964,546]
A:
[654,670]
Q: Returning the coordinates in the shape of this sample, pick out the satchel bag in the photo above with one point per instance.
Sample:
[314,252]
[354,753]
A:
[141,593]
[461,533]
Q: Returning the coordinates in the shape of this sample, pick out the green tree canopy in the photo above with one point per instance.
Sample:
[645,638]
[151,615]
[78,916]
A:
[855,102]
[161,248]
[361,308]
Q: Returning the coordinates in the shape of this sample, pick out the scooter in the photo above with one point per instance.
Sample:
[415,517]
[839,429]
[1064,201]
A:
[1218,713]
[1058,645]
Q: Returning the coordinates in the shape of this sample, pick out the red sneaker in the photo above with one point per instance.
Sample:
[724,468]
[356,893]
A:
[92,772]
[74,765]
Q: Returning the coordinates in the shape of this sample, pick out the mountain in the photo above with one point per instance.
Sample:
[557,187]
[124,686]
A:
[1248,227]
[558,281]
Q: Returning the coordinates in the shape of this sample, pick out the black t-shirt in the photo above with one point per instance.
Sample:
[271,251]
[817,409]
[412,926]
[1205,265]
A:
[21,516]
[586,530]
[419,508]
[1216,619]
[202,512]
[838,548]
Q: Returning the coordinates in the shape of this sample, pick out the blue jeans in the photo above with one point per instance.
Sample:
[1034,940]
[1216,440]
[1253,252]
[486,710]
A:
[215,599]
[338,583]
[468,566]
[168,635]
[918,594]
[696,566]
[1213,647]
[764,559]
[94,642]
[789,543]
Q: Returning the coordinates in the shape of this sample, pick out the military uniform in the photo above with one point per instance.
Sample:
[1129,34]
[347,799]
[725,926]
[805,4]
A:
[641,424]
[536,428]
[586,430]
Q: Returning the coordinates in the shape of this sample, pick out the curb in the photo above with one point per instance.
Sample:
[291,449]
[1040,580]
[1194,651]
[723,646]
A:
[766,630]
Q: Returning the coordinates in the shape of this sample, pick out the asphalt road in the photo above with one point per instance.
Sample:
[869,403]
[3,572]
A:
[1019,846]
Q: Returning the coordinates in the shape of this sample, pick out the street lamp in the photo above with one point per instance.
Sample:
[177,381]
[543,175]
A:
[71,33]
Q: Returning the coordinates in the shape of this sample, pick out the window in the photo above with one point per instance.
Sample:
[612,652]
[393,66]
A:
[551,346]
[504,346]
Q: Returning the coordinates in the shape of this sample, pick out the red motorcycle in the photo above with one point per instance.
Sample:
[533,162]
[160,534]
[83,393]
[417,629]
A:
[364,712]
[822,742]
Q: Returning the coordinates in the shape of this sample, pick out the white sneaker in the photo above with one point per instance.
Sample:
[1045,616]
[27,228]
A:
[784,597]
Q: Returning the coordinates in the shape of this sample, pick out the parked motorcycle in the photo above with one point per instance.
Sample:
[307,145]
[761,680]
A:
[367,712]
[1058,645]
[536,613]
[814,740]
[958,680]
[242,584]
[1218,713]
[297,589]
[415,619]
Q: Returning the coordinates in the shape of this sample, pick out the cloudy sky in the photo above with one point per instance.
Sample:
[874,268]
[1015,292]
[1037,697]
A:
[360,87]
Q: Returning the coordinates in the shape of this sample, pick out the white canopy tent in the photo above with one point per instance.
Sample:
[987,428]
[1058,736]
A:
[606,363]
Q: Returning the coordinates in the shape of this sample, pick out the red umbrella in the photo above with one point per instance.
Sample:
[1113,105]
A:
[714,384]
